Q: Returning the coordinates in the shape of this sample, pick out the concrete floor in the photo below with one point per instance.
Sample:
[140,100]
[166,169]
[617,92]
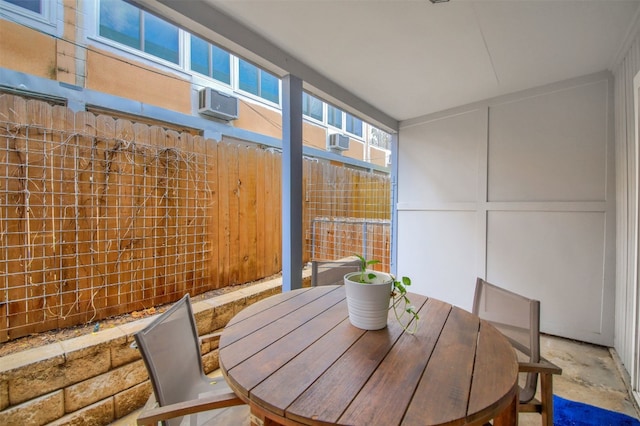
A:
[589,374]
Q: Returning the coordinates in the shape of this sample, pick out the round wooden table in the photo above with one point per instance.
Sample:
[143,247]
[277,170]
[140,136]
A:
[296,359]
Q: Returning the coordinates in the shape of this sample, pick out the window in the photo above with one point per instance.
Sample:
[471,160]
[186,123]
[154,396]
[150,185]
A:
[126,24]
[32,5]
[210,60]
[257,81]
[312,107]
[334,116]
[38,14]
[354,125]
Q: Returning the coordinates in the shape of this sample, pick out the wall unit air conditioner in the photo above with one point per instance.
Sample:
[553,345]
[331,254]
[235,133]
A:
[217,104]
[339,142]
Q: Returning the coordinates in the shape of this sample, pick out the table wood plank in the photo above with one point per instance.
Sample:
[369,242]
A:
[487,380]
[261,365]
[278,391]
[443,392]
[281,305]
[251,310]
[330,395]
[375,404]
[276,327]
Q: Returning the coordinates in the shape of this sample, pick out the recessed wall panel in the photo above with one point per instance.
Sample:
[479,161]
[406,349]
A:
[550,147]
[557,258]
[439,159]
[438,253]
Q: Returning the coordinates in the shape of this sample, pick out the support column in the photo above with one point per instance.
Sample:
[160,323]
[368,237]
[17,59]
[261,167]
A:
[394,203]
[291,183]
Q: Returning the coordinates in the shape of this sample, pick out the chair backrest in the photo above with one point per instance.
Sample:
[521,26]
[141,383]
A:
[518,318]
[331,272]
[171,352]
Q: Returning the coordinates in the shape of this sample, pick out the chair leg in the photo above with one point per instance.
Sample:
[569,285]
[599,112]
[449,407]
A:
[546,397]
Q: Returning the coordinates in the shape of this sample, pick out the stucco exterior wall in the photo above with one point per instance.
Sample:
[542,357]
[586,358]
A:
[314,135]
[356,150]
[377,156]
[27,51]
[132,80]
[259,119]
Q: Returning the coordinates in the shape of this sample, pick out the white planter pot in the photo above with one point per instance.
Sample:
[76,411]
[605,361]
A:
[368,303]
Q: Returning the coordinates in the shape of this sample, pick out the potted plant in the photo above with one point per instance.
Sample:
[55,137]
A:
[369,294]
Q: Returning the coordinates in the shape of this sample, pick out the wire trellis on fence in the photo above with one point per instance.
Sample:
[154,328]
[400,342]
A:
[349,213]
[93,225]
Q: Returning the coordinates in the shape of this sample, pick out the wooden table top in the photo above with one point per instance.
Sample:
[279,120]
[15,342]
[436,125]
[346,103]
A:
[296,359]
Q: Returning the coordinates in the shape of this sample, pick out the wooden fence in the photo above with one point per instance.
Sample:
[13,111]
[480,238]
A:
[100,217]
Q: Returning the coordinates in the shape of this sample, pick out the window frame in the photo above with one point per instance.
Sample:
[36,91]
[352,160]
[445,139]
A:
[353,117]
[323,105]
[210,46]
[251,95]
[47,21]
[137,52]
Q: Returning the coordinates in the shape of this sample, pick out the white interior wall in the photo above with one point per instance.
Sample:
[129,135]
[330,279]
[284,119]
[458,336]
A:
[518,190]
[627,286]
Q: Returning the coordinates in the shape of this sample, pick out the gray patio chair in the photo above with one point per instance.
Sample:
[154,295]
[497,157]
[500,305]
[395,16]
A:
[331,272]
[518,318]
[170,349]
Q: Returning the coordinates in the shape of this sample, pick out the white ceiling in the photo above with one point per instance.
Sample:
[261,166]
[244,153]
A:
[408,58]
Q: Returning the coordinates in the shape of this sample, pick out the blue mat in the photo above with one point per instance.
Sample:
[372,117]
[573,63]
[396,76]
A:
[571,413]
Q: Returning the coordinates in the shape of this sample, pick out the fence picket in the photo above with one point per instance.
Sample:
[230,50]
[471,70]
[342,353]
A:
[125,169]
[146,209]
[234,188]
[261,220]
[17,295]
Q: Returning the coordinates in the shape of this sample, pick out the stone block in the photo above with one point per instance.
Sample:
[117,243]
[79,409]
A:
[222,315]
[4,391]
[131,399]
[100,387]
[53,354]
[203,317]
[210,361]
[100,413]
[130,328]
[122,353]
[37,379]
[38,411]
[87,362]
[209,342]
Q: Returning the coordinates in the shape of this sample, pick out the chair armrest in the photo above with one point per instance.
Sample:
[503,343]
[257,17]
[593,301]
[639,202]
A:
[153,415]
[544,366]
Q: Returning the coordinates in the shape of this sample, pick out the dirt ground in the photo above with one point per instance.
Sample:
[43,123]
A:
[40,339]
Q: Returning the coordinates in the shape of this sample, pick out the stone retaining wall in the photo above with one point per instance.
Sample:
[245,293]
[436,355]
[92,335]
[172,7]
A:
[98,378]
